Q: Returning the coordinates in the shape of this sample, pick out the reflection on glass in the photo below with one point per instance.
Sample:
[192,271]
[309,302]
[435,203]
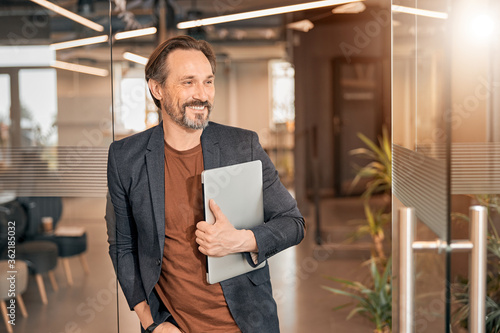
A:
[26,55]
[283,92]
[54,131]
[38,95]
[133,103]
[5,99]
[446,108]
[419,136]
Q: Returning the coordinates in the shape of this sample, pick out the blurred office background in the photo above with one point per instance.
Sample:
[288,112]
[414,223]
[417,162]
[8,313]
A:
[308,81]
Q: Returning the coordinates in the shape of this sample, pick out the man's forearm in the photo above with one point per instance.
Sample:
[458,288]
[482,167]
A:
[248,242]
[144,313]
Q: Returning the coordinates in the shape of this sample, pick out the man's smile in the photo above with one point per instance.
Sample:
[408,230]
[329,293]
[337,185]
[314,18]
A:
[197,108]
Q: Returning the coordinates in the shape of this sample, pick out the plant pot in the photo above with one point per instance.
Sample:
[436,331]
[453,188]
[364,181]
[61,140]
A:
[383,330]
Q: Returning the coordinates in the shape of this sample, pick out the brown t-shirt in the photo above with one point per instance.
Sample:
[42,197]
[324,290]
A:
[195,305]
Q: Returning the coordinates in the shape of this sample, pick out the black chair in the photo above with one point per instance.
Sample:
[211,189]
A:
[21,283]
[39,255]
[68,243]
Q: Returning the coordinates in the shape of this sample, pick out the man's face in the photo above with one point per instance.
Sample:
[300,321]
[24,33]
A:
[188,93]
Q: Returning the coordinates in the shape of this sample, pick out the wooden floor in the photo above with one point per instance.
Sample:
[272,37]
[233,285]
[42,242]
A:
[91,303]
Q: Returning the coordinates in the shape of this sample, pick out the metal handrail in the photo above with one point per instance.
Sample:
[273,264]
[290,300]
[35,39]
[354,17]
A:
[477,246]
[478,231]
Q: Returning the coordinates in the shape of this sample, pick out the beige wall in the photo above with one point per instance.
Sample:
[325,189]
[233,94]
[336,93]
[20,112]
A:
[242,97]
[253,97]
[84,109]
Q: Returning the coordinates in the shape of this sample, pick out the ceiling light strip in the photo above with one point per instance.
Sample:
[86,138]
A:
[135,58]
[261,13]
[72,16]
[135,33]
[80,68]
[420,12]
[79,42]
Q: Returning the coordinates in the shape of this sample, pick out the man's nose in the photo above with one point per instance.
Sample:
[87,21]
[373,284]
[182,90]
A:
[200,93]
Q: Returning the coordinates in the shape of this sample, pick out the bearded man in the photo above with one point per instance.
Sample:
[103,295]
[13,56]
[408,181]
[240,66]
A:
[158,239]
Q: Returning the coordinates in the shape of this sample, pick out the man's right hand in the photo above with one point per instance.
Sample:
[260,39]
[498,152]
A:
[167,327]
[144,313]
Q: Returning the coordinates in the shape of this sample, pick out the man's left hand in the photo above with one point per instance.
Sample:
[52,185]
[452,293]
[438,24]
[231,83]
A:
[221,238]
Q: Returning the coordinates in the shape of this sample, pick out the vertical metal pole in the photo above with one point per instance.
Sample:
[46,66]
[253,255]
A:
[477,289]
[406,269]
[317,185]
[15,110]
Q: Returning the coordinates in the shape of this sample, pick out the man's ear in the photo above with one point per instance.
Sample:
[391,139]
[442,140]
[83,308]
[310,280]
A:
[155,89]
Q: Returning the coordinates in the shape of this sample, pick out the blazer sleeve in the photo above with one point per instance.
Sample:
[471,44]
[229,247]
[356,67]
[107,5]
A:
[284,225]
[122,237]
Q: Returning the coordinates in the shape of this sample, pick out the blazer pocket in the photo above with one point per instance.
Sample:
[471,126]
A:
[259,276]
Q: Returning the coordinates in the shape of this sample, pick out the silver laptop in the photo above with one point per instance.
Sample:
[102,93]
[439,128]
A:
[237,190]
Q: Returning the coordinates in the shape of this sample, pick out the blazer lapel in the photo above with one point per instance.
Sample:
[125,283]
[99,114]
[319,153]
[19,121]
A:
[156,176]
[211,149]
[155,166]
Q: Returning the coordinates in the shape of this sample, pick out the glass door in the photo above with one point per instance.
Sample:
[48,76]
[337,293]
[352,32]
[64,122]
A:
[55,129]
[420,174]
[445,158]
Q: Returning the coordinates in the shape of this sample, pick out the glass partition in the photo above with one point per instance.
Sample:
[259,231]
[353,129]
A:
[419,132]
[445,147]
[475,148]
[70,84]
[55,129]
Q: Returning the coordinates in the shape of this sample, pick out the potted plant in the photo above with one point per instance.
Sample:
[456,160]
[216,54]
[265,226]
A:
[379,169]
[373,299]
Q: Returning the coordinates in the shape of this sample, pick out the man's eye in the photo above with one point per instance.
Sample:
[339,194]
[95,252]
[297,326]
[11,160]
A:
[210,82]
[188,82]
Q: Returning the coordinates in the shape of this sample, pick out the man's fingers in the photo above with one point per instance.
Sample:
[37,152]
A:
[198,238]
[202,226]
[215,209]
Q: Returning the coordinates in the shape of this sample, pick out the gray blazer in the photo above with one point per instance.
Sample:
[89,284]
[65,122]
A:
[137,233]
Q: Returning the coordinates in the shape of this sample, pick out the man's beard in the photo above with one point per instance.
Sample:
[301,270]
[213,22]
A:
[180,117]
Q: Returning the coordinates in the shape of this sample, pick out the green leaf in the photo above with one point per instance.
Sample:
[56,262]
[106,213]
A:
[354,311]
[371,144]
[374,303]
[343,292]
[340,307]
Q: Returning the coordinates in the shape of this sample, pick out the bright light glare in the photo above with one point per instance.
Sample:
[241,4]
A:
[79,42]
[350,8]
[303,25]
[80,68]
[135,58]
[132,109]
[482,26]
[135,33]
[72,16]
[261,13]
[420,12]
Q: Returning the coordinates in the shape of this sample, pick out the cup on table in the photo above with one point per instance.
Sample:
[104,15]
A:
[47,224]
